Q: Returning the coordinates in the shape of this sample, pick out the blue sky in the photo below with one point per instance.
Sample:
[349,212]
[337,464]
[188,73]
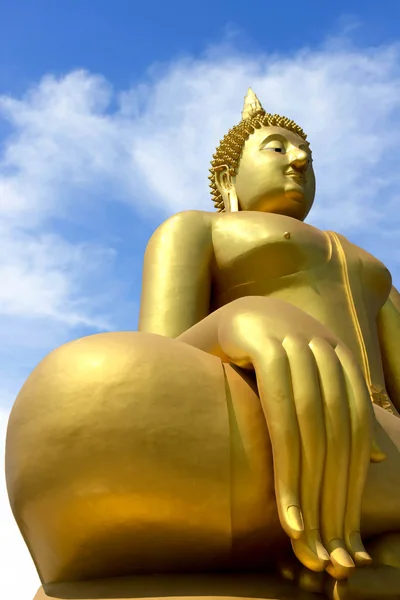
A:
[109,115]
[123,40]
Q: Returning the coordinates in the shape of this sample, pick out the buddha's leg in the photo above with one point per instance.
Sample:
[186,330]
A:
[381,501]
[381,520]
[381,517]
[131,452]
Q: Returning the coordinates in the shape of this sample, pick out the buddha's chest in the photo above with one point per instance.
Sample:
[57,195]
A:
[259,254]
[250,246]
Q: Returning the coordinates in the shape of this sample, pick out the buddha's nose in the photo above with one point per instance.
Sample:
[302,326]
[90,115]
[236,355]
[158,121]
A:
[298,159]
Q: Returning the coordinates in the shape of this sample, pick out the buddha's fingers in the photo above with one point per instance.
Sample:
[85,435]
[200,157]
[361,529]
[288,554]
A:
[337,427]
[362,431]
[308,402]
[275,390]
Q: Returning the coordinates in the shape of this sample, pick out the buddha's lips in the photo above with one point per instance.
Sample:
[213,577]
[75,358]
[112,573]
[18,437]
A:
[297,176]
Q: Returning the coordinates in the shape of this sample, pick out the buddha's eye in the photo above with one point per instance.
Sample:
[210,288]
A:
[275,146]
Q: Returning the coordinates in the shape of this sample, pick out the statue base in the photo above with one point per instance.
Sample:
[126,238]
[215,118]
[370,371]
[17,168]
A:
[188,587]
[381,583]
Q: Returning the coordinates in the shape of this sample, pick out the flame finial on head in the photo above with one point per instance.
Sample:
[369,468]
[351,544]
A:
[252,106]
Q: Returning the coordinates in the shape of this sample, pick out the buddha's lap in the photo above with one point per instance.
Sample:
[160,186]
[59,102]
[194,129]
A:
[134,452]
[153,452]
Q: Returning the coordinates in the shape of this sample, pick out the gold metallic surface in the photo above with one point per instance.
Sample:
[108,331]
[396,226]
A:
[229,153]
[202,587]
[255,411]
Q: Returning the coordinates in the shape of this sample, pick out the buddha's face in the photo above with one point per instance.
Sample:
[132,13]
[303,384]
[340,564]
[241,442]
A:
[275,174]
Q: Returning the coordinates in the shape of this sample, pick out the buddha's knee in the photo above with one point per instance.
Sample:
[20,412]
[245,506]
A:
[83,372]
[104,439]
[88,404]
[72,395]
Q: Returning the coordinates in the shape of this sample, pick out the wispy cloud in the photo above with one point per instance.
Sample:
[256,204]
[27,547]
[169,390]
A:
[43,275]
[75,138]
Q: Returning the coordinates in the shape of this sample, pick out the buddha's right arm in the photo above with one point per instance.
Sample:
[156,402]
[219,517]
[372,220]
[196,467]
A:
[177,275]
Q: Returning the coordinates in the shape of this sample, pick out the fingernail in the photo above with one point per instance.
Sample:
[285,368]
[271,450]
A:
[295,518]
[361,556]
[315,542]
[322,552]
[341,558]
[305,551]
[363,559]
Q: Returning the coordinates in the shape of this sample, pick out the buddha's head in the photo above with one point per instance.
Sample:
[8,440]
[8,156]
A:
[263,164]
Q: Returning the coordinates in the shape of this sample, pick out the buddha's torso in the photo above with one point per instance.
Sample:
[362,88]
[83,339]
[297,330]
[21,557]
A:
[339,284]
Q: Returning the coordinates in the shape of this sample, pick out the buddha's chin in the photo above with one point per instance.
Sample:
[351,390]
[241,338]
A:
[288,202]
[295,193]
[294,204]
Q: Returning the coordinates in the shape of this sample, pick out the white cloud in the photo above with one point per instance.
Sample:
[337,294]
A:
[76,145]
[76,138]
[348,102]
[43,274]
[60,138]
[160,137]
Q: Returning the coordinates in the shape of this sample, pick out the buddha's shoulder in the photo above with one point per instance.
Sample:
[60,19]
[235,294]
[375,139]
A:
[186,217]
[350,246]
[185,224]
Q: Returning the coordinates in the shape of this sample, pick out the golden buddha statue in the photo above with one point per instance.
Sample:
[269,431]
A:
[254,412]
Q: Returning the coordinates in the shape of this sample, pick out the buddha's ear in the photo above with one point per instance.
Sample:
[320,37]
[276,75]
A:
[226,187]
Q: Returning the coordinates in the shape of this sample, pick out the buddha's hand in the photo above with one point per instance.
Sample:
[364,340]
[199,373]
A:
[321,424]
